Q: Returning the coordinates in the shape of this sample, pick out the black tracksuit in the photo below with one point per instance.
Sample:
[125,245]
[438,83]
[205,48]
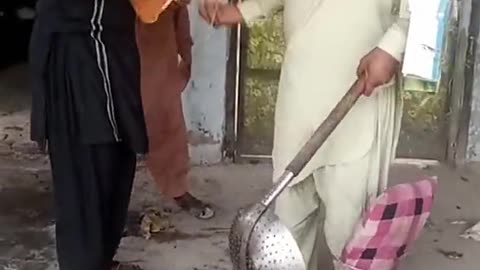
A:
[87,108]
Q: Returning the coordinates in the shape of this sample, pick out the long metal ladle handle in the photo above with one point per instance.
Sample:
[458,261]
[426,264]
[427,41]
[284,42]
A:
[316,141]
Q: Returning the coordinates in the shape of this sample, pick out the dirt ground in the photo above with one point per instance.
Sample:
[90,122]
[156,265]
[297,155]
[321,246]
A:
[27,226]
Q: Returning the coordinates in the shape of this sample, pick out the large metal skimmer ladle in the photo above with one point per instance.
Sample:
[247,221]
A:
[258,240]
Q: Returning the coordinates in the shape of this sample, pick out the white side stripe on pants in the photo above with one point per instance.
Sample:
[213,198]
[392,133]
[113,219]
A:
[102,61]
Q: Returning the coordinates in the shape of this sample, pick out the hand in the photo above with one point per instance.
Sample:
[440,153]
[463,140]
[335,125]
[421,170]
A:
[216,13]
[377,68]
[185,69]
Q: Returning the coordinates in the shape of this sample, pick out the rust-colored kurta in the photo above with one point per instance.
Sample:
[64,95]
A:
[160,44]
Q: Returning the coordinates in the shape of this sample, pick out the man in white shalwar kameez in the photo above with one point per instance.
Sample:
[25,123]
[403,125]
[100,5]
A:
[331,43]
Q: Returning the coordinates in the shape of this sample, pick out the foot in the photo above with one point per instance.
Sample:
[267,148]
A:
[195,207]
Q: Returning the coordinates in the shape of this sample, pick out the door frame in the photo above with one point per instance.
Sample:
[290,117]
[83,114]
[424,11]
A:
[462,81]
[236,60]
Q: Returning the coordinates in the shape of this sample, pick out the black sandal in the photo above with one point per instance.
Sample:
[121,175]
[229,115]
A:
[195,207]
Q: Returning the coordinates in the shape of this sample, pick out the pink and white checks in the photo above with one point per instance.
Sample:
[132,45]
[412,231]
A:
[389,227]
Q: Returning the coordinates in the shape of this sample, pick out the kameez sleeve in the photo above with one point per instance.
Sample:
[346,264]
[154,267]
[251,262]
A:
[395,39]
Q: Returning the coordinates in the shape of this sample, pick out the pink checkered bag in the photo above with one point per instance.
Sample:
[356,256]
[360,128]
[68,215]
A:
[389,227]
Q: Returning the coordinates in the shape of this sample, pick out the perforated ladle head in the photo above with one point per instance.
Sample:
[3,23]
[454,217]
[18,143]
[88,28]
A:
[258,240]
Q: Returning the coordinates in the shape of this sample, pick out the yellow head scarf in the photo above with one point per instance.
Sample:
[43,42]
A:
[149,10]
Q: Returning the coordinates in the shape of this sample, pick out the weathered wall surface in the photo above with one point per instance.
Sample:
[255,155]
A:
[473,149]
[204,98]
[473,146]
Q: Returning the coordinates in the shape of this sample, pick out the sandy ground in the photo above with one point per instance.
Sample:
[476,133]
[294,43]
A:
[27,226]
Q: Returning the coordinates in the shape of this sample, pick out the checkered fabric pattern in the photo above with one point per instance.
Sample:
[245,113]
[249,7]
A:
[389,227]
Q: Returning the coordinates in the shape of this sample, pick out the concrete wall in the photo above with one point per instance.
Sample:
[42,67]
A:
[204,97]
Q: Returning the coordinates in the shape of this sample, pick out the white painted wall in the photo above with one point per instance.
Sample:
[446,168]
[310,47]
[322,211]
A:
[204,97]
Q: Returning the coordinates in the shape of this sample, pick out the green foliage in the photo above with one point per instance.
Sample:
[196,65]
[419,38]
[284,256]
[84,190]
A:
[259,114]
[266,44]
